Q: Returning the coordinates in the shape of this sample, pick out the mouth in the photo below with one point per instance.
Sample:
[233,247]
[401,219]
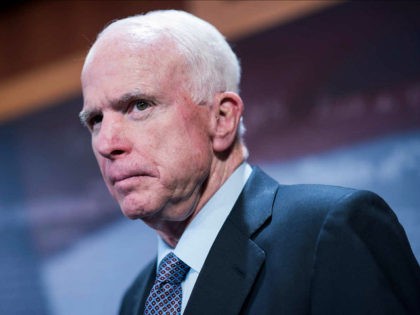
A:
[125,178]
[119,175]
[127,183]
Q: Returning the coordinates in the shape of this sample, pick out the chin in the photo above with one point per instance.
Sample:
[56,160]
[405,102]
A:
[136,212]
[137,208]
[132,210]
[131,215]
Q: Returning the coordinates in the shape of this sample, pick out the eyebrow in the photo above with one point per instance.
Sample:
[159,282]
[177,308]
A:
[117,104]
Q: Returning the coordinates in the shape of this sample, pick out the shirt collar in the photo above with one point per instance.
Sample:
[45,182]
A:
[197,239]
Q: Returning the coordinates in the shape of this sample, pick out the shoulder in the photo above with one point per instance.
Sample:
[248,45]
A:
[314,195]
[345,235]
[303,206]
[362,243]
[324,206]
[311,211]
[300,194]
[308,204]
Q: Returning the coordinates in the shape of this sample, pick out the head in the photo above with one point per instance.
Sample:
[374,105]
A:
[161,101]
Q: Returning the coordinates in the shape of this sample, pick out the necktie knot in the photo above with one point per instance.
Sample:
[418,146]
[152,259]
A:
[166,294]
[172,270]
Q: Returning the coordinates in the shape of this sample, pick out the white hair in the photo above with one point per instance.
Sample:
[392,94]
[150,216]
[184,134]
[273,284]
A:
[212,66]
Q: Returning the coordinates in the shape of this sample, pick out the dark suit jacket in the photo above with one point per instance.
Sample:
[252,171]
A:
[301,249]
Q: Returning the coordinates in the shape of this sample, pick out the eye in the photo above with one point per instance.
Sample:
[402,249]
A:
[94,120]
[141,105]
[140,108]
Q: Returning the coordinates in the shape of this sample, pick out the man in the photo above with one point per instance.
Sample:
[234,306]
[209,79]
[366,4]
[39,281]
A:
[161,101]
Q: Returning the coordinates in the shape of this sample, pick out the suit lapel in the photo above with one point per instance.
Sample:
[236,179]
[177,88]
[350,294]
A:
[140,291]
[234,259]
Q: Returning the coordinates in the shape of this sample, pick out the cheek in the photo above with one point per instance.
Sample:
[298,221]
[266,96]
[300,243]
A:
[186,144]
[183,154]
[98,156]
[193,160]
[100,161]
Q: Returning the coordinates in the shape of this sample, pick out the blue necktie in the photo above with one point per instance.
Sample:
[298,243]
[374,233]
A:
[166,295]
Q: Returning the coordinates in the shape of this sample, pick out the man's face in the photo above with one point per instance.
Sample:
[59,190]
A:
[152,143]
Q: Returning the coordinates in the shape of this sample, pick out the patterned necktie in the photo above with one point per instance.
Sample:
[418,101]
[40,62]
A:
[166,294]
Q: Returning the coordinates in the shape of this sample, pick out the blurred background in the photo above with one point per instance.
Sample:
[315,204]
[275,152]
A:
[332,95]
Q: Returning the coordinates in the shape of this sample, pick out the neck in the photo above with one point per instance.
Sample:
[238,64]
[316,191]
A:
[221,170]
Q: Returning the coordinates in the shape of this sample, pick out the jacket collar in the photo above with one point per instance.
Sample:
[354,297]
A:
[235,259]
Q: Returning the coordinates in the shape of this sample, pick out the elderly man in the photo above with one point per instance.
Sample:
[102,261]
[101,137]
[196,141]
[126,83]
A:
[161,102]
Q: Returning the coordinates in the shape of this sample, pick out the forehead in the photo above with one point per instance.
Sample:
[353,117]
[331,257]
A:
[118,64]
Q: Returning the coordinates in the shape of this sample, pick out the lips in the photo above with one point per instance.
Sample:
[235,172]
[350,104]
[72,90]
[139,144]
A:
[117,176]
[120,177]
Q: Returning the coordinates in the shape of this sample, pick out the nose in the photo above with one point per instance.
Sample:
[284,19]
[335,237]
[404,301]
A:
[111,139]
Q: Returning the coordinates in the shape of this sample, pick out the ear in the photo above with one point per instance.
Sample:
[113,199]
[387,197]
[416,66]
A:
[228,109]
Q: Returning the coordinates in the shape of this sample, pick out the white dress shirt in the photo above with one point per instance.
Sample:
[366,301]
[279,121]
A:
[197,239]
